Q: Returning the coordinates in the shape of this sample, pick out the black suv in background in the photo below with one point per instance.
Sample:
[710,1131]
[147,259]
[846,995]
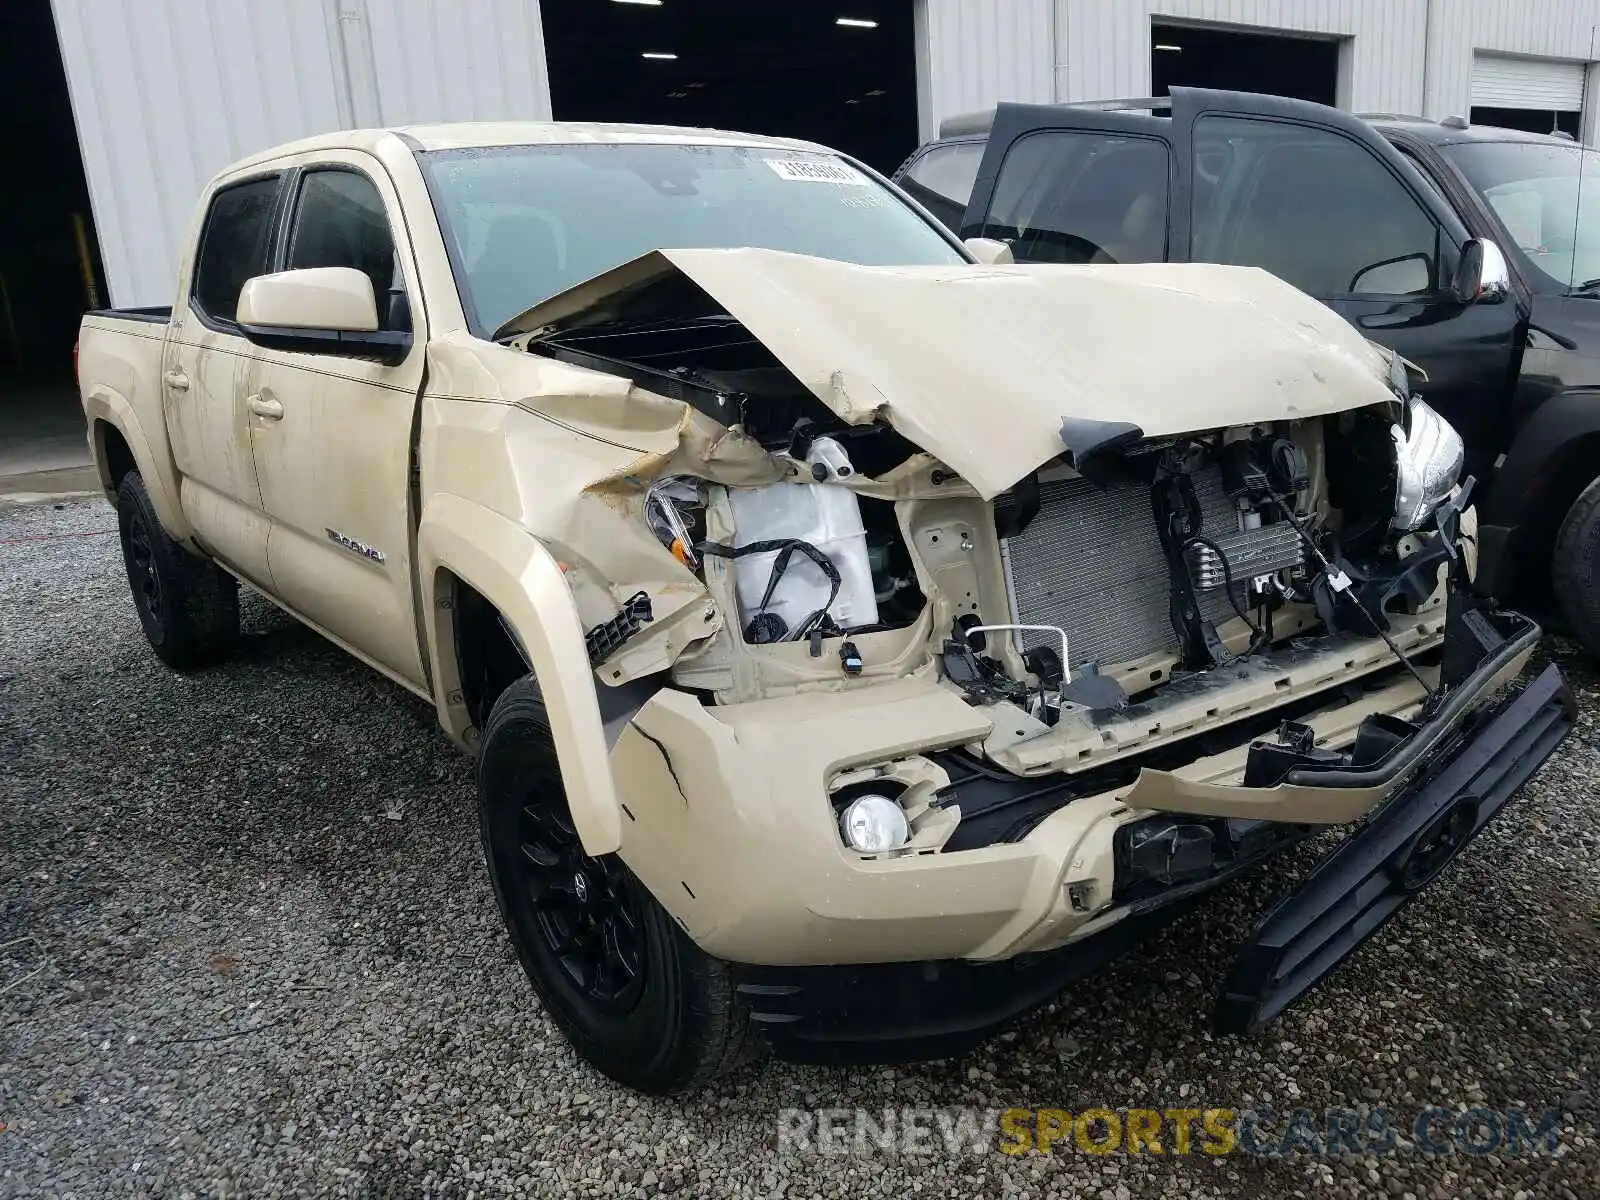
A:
[1473,252]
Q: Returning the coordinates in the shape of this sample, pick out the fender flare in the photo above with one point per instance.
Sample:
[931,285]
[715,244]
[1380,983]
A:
[1517,490]
[159,472]
[513,571]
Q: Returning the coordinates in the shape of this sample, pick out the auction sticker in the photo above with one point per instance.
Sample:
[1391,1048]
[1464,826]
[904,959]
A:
[813,170]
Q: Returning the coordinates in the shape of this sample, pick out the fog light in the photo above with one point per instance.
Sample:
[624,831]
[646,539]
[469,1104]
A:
[873,824]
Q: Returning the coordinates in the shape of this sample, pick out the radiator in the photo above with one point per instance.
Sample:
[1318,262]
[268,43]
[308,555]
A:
[1090,562]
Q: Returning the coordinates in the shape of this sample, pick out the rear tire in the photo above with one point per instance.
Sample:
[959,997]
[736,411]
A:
[633,994]
[1575,568]
[188,607]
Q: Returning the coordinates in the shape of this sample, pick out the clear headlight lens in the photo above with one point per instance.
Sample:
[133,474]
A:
[1428,461]
[873,824]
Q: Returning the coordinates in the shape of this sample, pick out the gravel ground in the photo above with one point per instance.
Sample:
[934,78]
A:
[249,949]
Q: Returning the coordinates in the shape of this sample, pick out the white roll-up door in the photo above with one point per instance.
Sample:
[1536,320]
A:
[1499,81]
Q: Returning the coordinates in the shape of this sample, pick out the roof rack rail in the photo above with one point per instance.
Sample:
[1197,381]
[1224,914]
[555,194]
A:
[1387,116]
[1148,102]
[965,123]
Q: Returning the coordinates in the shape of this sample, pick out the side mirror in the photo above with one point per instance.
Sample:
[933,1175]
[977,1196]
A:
[318,310]
[1482,275]
[989,251]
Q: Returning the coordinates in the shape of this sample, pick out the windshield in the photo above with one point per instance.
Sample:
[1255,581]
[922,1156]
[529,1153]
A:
[528,222]
[1548,198]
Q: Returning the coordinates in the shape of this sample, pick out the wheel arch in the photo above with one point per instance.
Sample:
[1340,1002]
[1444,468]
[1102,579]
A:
[1554,456]
[475,562]
[119,444]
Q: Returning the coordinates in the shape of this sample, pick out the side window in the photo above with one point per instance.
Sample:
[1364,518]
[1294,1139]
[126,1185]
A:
[1082,197]
[1315,208]
[233,245]
[941,180]
[340,222]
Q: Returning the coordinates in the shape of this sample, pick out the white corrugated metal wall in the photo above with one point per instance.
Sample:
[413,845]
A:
[1105,47]
[1563,29]
[974,53]
[1406,56]
[165,93]
[168,92]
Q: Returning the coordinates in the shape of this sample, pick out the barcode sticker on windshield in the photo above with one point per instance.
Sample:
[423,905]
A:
[811,170]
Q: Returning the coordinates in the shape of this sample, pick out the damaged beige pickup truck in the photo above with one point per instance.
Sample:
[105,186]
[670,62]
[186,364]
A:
[859,641]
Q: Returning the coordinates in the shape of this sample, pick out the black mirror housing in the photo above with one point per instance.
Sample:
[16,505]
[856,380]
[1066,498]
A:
[387,346]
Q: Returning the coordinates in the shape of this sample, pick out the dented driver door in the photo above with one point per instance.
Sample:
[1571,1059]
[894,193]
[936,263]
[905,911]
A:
[331,433]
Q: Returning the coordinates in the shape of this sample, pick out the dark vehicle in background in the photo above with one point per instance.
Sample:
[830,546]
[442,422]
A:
[1472,251]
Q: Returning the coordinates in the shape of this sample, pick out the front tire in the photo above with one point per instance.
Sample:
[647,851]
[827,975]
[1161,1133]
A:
[633,994]
[1575,568]
[188,607]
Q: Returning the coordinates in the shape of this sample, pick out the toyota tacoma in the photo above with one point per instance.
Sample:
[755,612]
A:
[859,636]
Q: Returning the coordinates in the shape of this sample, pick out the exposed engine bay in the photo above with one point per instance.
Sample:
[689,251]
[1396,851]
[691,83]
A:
[1127,567]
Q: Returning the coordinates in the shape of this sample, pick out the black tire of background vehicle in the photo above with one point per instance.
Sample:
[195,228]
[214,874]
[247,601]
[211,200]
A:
[189,608]
[1575,568]
[683,1024]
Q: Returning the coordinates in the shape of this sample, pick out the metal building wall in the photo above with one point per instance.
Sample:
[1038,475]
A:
[1104,49]
[168,92]
[973,53]
[1541,28]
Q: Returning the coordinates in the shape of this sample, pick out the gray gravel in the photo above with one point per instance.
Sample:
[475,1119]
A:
[227,970]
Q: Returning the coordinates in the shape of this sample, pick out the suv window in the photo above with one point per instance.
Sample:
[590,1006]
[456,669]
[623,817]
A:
[942,178]
[1076,197]
[233,245]
[340,222]
[1315,208]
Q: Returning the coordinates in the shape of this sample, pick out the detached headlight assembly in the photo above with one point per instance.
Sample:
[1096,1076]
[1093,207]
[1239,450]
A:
[1428,462]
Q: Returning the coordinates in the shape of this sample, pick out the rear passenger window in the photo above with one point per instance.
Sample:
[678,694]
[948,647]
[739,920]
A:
[340,222]
[233,245]
[1077,197]
[1315,208]
[941,180]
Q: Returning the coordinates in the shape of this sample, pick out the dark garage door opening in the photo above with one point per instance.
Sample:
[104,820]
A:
[1532,120]
[49,268]
[1193,56]
[789,70]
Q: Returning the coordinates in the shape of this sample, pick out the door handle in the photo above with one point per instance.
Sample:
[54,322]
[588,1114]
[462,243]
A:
[176,380]
[264,407]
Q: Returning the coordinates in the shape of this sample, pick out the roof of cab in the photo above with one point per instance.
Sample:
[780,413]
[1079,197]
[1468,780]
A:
[1447,134]
[468,135]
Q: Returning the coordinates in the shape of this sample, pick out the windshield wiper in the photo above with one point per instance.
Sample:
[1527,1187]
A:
[1589,289]
[580,332]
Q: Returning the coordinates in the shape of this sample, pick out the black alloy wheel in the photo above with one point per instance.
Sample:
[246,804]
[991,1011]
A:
[188,607]
[585,909]
[616,973]
[140,559]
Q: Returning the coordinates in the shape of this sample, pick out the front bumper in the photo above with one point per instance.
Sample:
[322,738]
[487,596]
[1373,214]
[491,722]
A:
[728,824]
[907,1011]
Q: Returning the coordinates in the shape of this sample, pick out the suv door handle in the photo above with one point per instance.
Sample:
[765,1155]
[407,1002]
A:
[264,407]
[176,380]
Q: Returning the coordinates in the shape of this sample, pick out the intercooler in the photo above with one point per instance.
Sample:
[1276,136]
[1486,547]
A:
[1090,562]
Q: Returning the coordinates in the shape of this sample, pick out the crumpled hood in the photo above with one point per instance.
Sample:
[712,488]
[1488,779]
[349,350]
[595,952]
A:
[979,365]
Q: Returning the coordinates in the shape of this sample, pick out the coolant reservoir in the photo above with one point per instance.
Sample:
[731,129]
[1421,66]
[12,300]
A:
[826,516]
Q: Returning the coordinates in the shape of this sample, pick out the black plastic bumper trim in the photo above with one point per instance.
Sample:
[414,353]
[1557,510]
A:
[909,1012]
[1440,727]
[1372,875]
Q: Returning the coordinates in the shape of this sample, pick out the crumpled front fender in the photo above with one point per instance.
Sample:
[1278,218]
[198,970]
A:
[512,570]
